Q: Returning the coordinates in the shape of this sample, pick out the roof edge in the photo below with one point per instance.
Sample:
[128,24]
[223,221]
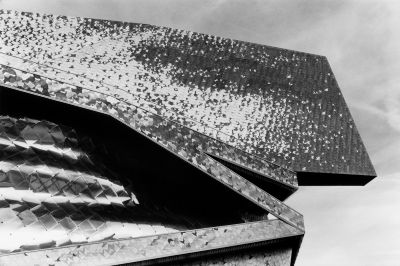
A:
[333,179]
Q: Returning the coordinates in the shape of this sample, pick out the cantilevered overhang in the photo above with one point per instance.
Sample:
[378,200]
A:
[245,122]
[278,105]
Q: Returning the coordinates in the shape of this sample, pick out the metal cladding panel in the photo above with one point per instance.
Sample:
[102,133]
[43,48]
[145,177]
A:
[280,105]
[52,192]
[229,113]
[62,205]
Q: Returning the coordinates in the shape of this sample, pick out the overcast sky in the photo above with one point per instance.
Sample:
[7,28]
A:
[357,226]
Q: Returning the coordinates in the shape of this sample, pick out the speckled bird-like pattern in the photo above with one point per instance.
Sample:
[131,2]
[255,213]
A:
[279,105]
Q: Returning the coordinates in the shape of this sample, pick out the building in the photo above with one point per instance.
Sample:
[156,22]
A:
[126,143]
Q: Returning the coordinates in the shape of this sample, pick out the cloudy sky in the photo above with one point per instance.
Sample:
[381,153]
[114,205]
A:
[357,226]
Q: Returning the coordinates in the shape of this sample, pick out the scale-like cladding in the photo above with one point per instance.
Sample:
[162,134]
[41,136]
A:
[58,190]
[189,144]
[53,193]
[280,105]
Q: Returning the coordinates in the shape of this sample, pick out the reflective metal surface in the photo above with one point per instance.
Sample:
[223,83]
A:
[158,129]
[245,115]
[279,105]
[137,249]
[180,140]
[53,193]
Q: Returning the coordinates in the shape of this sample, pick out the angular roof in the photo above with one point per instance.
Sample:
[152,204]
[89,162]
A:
[256,120]
[279,105]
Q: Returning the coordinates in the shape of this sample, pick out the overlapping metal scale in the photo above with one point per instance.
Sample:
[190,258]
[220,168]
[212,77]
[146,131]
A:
[218,124]
[279,105]
[52,193]
[56,192]
[193,147]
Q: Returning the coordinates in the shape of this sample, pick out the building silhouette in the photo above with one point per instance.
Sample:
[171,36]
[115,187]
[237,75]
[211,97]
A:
[126,143]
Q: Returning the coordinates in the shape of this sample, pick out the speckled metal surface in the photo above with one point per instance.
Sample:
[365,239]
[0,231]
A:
[180,140]
[26,145]
[53,193]
[279,105]
[184,142]
[264,109]
[152,247]
[212,144]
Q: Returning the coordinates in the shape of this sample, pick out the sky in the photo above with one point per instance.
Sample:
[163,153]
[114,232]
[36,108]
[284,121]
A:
[357,226]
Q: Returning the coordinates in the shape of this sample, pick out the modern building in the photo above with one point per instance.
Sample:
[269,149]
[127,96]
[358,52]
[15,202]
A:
[126,143]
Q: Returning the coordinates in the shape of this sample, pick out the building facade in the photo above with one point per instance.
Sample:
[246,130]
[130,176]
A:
[126,143]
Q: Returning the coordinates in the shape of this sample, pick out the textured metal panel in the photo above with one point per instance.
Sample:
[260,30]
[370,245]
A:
[279,105]
[53,193]
[50,82]
[153,247]
[158,129]
[264,110]
[184,142]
